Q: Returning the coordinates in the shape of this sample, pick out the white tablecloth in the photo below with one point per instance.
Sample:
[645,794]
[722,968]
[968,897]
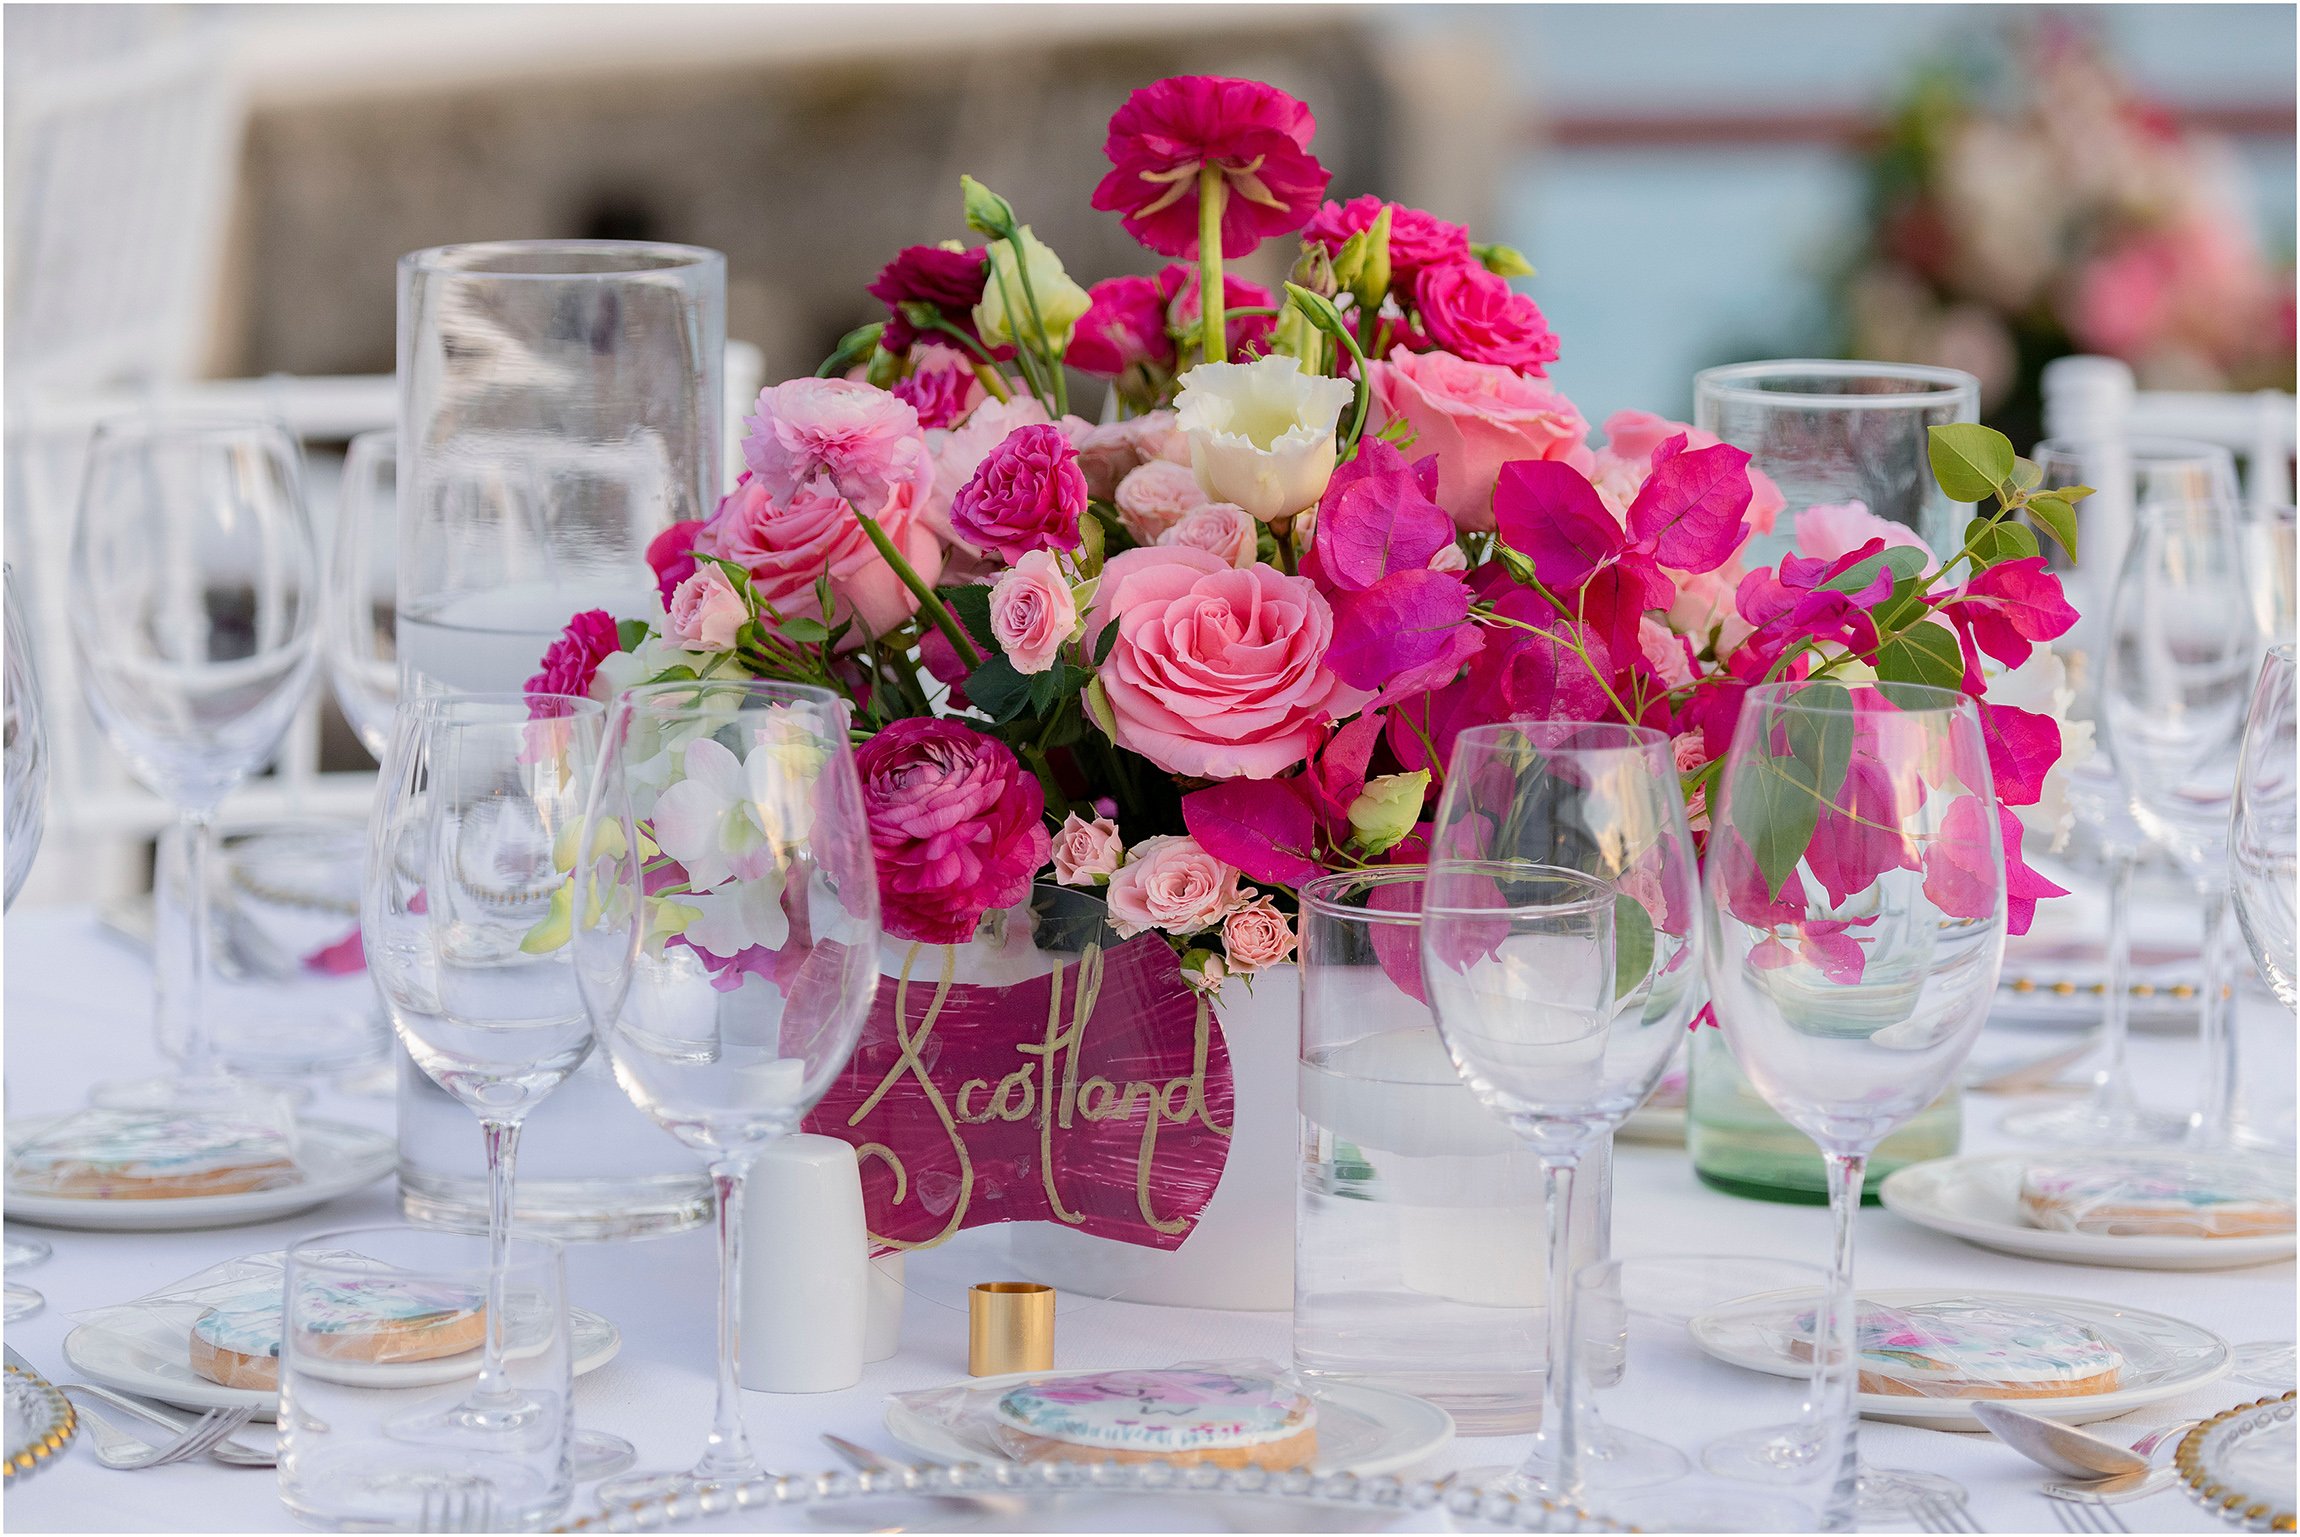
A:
[78,1010]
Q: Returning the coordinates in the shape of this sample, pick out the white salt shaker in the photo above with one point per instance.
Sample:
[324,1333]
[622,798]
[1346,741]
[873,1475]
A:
[807,1276]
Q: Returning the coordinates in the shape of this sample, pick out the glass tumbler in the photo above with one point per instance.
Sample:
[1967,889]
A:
[1829,431]
[379,1345]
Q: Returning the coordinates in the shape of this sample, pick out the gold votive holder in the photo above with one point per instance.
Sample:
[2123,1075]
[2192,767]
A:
[1009,1328]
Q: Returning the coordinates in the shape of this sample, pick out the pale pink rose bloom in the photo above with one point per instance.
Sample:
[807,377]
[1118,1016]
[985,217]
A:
[1032,612]
[1475,417]
[1107,450]
[1172,884]
[1159,435]
[1085,851]
[1216,673]
[1688,750]
[1155,496]
[1705,602]
[863,439]
[705,611]
[1449,557]
[1218,528]
[1627,457]
[1667,654]
[1828,530]
[785,545]
[1257,937]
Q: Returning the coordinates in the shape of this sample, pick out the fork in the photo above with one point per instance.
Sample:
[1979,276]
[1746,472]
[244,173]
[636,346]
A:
[1938,1513]
[205,1432]
[110,1436]
[464,1506]
[2093,1515]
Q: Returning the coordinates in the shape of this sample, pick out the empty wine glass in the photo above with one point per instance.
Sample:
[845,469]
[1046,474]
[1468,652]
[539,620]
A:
[24,738]
[357,635]
[2261,825]
[1856,913]
[1561,958]
[193,610]
[726,932]
[2182,650]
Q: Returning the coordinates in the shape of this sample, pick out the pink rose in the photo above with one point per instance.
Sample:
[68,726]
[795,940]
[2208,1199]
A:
[1159,435]
[785,545]
[864,441]
[1028,495]
[1216,673]
[1257,937]
[706,611]
[1417,239]
[1221,529]
[1032,613]
[1665,652]
[571,661]
[1155,496]
[1475,314]
[1475,417]
[1173,884]
[941,387]
[955,822]
[1831,530]
[1086,853]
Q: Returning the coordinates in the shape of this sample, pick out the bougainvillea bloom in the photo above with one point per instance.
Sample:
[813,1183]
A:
[1251,132]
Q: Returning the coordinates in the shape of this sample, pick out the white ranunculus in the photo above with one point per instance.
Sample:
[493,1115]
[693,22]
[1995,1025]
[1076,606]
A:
[1262,433]
[2040,686]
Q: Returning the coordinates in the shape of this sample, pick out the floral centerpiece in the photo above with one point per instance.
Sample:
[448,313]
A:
[1222,639]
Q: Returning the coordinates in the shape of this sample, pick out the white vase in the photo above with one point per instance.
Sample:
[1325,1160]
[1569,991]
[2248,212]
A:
[1241,1252]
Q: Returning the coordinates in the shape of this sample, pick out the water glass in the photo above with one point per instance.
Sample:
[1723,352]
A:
[358,636]
[2262,824]
[373,1430]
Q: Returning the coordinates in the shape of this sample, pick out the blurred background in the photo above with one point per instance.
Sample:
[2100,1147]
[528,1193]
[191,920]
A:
[213,193]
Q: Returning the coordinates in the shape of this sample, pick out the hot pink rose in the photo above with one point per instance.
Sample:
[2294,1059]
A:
[1417,239]
[862,440]
[1172,884]
[705,612]
[1257,937]
[1086,853]
[955,822]
[1475,417]
[1222,529]
[1155,496]
[1032,613]
[1028,495]
[1829,530]
[785,545]
[572,659]
[1475,314]
[940,387]
[1217,673]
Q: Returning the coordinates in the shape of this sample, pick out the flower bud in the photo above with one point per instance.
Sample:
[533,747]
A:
[1363,267]
[1387,809]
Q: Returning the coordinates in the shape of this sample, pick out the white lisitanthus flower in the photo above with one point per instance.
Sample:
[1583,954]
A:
[732,819]
[1262,433]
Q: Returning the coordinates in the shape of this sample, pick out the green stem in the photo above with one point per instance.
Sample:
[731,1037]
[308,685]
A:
[932,605]
[1213,325]
[992,380]
[1060,380]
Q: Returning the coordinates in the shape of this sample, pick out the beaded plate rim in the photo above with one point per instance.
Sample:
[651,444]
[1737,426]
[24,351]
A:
[2229,1505]
[63,1421]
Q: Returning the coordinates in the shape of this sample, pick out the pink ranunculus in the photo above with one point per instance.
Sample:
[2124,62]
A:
[1475,417]
[1475,314]
[571,660]
[1255,136]
[1032,613]
[1417,239]
[955,822]
[705,612]
[1155,496]
[1216,672]
[1828,530]
[1172,884]
[862,440]
[1125,326]
[959,452]
[1086,853]
[1028,494]
[1219,528]
[785,545]
[951,281]
[1257,937]
[940,387]
[671,555]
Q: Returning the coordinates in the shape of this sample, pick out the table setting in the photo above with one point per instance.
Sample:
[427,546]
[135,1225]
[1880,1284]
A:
[1338,947]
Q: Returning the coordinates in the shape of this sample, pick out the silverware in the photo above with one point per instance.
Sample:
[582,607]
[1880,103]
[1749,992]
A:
[1938,1513]
[2066,1450]
[238,1453]
[466,1505]
[130,1454]
[113,1444]
[2115,1491]
[2087,1515]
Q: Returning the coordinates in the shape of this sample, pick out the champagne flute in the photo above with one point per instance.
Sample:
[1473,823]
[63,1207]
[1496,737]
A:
[726,933]
[357,634]
[24,745]
[1856,918]
[2261,825]
[1561,959]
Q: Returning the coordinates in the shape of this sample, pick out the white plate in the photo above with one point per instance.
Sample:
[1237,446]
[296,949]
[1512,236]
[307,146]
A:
[1978,1199]
[123,1361]
[1399,1432]
[2163,1357]
[336,1159]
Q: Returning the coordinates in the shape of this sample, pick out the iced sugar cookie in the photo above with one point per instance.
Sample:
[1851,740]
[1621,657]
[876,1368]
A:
[1974,1350]
[237,1343]
[2152,1198]
[1234,1421]
[150,1155]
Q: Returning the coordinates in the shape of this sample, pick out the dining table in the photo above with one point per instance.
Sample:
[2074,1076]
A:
[78,1009]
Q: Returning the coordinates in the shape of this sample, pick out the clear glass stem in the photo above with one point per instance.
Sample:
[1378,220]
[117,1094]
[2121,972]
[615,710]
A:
[2213,1123]
[502,1181]
[2112,1082]
[1563,1475]
[1838,1335]
[727,1457]
[198,831]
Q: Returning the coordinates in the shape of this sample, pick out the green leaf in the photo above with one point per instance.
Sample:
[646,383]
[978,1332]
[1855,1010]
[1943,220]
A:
[1089,546]
[1104,641]
[1504,260]
[987,213]
[1969,461]
[1632,944]
[997,689]
[970,606]
[1777,797]
[2026,474]
[1923,653]
[1994,540]
[629,633]
[2056,517]
[823,596]
[1902,560]
[807,632]
[852,348]
[1904,607]
[1045,688]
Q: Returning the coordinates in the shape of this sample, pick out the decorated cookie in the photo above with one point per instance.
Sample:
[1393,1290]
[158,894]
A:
[2154,1198]
[237,1342]
[1235,1421]
[150,1155]
[1976,1350]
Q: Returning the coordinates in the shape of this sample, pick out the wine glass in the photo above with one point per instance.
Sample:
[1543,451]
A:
[465,918]
[1561,958]
[356,636]
[2182,649]
[2261,825]
[194,604]
[24,739]
[1856,914]
[726,932]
